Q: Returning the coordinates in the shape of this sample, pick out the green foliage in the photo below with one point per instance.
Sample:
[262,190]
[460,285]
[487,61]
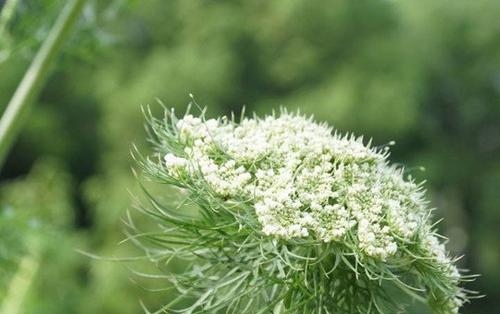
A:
[27,23]
[29,234]
[422,73]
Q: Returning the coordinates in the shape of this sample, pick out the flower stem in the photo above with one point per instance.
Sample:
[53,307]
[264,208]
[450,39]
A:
[35,76]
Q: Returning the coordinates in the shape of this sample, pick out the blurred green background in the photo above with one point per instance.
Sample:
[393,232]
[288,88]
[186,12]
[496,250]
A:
[423,73]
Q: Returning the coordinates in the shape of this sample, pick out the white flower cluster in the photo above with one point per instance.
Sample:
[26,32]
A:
[438,251]
[303,180]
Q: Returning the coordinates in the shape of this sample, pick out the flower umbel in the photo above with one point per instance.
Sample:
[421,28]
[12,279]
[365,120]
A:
[293,218]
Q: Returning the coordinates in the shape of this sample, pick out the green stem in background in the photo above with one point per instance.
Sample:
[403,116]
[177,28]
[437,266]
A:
[21,281]
[35,76]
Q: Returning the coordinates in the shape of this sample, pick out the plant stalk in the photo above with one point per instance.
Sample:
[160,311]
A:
[21,282]
[35,76]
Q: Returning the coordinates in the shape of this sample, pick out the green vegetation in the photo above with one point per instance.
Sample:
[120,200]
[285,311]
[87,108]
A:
[425,74]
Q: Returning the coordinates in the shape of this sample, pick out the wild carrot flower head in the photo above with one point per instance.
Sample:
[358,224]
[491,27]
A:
[293,217]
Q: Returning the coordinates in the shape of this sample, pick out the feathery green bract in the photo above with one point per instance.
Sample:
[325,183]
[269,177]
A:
[245,252]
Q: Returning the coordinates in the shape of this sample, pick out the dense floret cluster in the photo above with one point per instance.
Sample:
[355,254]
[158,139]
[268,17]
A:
[305,181]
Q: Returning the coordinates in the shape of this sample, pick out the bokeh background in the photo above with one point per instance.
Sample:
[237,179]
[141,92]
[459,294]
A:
[425,74]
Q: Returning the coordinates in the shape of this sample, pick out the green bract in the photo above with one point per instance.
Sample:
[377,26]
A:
[293,218]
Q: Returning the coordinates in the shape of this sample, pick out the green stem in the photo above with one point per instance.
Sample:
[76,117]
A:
[35,76]
[21,282]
